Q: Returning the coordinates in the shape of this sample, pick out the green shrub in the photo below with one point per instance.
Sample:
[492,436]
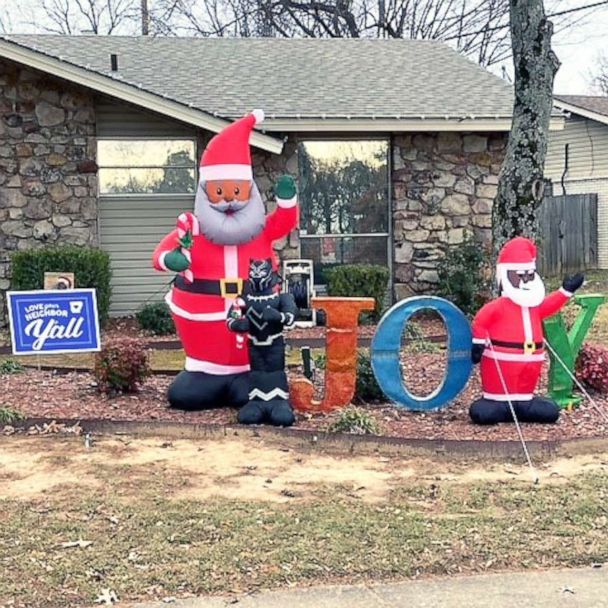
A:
[464,276]
[359,280]
[91,268]
[121,366]
[367,389]
[10,366]
[356,421]
[156,318]
[8,415]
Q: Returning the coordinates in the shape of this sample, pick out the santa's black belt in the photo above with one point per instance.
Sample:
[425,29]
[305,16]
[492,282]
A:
[502,344]
[226,288]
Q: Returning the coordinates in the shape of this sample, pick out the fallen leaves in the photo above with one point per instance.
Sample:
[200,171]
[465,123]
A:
[107,597]
[82,544]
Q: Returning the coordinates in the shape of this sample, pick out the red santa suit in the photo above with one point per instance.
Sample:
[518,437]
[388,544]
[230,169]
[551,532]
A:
[513,334]
[200,317]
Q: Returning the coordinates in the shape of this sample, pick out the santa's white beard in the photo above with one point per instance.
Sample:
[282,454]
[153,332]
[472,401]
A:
[528,294]
[245,222]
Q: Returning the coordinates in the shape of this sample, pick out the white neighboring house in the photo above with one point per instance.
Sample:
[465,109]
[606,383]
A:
[577,158]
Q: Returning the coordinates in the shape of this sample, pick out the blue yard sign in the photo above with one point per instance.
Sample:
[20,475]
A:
[53,321]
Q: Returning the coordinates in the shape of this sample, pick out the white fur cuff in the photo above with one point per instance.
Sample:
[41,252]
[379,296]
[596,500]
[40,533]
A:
[287,203]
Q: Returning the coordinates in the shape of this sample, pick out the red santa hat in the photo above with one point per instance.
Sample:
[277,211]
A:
[517,254]
[227,155]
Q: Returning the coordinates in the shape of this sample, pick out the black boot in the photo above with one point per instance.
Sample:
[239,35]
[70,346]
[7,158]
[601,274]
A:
[252,413]
[202,391]
[538,409]
[488,411]
[280,413]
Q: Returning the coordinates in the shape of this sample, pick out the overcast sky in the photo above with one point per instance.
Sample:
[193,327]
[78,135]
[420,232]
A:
[577,48]
[578,51]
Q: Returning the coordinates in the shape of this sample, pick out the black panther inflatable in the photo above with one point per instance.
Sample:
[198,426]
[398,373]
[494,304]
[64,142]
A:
[262,313]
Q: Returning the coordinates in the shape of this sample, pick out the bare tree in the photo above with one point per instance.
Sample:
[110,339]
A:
[477,28]
[81,16]
[521,184]
[600,75]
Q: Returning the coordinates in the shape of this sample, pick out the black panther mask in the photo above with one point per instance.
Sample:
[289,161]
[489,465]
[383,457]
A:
[261,275]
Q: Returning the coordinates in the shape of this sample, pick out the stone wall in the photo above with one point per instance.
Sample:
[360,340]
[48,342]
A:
[444,185]
[48,174]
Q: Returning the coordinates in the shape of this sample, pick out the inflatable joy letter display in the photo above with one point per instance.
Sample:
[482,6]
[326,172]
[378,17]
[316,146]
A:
[386,353]
[211,251]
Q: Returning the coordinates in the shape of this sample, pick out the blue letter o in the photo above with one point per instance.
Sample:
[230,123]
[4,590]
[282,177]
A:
[386,347]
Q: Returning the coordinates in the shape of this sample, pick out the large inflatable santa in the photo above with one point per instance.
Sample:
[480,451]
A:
[508,339]
[211,250]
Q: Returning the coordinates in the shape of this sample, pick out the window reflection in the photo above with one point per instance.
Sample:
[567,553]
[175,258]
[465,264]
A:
[328,252]
[344,186]
[344,189]
[147,166]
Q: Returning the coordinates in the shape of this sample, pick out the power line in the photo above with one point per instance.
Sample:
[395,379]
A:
[496,28]
[579,8]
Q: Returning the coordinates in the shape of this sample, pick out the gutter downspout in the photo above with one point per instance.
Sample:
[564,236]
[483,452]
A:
[566,167]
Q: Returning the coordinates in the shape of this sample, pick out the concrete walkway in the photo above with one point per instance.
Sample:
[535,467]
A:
[581,588]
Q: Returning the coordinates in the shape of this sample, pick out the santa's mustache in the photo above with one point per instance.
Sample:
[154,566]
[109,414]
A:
[229,206]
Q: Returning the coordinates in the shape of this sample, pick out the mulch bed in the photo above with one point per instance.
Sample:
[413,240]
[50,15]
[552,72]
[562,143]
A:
[428,326]
[73,396]
[122,327]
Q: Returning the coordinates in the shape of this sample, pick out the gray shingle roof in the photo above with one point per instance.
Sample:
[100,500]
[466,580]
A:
[307,78]
[592,103]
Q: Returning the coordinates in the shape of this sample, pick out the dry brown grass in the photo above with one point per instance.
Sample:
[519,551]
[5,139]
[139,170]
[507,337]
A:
[180,517]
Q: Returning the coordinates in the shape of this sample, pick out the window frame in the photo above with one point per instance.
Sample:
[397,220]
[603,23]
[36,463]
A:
[140,195]
[388,235]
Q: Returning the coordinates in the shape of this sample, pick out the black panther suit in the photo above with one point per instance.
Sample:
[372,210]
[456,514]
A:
[262,313]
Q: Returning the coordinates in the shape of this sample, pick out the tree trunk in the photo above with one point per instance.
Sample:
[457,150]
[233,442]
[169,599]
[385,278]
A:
[521,185]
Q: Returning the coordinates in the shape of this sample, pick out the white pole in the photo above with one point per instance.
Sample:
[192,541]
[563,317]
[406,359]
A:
[533,471]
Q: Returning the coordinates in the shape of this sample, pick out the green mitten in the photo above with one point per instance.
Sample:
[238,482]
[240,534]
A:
[176,261]
[285,187]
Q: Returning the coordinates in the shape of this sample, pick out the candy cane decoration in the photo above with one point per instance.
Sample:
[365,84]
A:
[187,227]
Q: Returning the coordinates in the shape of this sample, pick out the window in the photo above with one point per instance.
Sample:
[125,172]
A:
[345,203]
[151,166]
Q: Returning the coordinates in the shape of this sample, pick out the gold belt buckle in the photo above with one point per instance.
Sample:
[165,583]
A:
[529,348]
[231,288]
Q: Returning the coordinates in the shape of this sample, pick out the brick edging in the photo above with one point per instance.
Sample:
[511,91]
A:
[344,444]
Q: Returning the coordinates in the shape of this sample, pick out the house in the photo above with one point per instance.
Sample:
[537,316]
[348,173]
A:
[396,145]
[577,157]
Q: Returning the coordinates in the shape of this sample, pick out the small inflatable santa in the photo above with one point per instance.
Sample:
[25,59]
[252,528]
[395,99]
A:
[211,250]
[508,339]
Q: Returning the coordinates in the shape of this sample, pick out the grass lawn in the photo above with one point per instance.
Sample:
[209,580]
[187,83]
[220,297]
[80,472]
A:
[175,518]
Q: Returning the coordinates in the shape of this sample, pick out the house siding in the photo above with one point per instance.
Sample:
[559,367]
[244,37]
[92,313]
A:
[587,153]
[48,180]
[587,168]
[124,120]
